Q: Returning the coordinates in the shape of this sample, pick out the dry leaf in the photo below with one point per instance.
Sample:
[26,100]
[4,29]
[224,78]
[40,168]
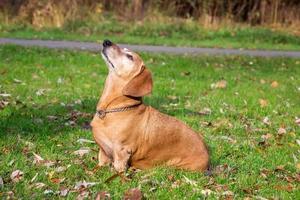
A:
[37,159]
[84,184]
[206,192]
[281,131]
[63,192]
[133,194]
[82,195]
[263,102]
[38,185]
[219,85]
[104,195]
[82,140]
[274,84]
[205,111]
[48,192]
[82,151]
[16,176]
[57,180]
[266,121]
[298,166]
[262,81]
[267,136]
[60,169]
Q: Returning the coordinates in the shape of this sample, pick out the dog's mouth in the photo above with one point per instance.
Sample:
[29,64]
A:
[105,57]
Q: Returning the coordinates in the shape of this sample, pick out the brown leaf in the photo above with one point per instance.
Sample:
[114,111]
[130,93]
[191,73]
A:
[274,84]
[82,151]
[219,85]
[205,111]
[263,102]
[63,191]
[57,180]
[16,176]
[133,194]
[104,195]
[288,187]
[281,131]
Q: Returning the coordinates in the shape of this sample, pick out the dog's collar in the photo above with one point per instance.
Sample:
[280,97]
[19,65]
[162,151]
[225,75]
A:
[102,113]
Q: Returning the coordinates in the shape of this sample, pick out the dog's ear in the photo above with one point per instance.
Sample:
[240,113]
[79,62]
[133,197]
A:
[140,85]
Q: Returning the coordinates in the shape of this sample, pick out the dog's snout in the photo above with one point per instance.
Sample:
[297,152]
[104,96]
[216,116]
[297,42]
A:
[107,43]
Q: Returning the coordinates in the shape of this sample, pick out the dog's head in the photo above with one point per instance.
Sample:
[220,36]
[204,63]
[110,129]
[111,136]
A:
[129,67]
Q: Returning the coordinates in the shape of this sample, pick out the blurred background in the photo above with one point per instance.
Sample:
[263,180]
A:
[178,19]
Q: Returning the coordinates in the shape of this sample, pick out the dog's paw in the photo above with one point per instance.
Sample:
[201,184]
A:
[120,166]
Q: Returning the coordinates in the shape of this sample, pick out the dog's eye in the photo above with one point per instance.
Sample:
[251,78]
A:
[129,56]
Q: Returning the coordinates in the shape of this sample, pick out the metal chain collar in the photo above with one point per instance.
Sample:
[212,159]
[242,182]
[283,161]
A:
[102,113]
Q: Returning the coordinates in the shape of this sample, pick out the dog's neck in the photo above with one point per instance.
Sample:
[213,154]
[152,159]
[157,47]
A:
[112,96]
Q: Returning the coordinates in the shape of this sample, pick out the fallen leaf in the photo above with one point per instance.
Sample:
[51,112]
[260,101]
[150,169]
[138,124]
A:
[274,84]
[172,97]
[40,92]
[82,140]
[206,192]
[16,176]
[262,81]
[279,168]
[63,192]
[133,194]
[298,166]
[229,139]
[185,73]
[82,195]
[37,159]
[3,104]
[60,169]
[205,111]
[52,117]
[38,185]
[84,184]
[263,102]
[267,136]
[48,192]
[104,195]
[266,121]
[82,151]
[219,85]
[57,180]
[281,131]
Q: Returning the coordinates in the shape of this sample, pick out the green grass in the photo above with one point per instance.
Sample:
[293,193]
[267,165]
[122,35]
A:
[178,33]
[242,163]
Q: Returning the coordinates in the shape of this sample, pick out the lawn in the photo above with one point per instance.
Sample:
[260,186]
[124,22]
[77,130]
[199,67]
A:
[245,107]
[177,33]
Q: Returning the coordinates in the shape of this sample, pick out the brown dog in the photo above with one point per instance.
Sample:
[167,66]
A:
[130,133]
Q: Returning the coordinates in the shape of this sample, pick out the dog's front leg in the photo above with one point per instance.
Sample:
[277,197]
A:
[121,158]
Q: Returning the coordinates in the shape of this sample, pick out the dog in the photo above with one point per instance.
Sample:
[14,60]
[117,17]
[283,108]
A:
[132,134]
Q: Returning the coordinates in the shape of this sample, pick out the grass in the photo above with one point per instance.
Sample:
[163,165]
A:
[45,84]
[178,33]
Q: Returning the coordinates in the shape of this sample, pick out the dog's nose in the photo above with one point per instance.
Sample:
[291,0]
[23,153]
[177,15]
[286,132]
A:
[107,43]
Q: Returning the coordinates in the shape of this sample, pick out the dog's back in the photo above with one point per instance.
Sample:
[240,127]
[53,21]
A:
[169,141]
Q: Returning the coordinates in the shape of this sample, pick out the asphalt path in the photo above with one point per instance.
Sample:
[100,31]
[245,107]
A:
[95,47]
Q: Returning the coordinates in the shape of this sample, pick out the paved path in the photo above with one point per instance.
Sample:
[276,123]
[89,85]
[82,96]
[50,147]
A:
[93,46]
